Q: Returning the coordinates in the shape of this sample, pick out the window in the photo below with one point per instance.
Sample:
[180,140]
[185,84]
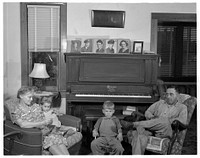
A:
[176,45]
[43,36]
[43,40]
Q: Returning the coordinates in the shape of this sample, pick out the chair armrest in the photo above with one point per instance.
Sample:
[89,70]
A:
[33,134]
[178,126]
[70,120]
[13,134]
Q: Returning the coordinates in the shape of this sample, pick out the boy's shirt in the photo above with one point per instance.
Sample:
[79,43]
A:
[108,126]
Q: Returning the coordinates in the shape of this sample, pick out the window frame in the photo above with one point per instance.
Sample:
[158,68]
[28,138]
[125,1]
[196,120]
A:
[168,17]
[25,63]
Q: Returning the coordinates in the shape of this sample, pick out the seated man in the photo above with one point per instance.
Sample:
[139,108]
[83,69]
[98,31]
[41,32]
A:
[159,117]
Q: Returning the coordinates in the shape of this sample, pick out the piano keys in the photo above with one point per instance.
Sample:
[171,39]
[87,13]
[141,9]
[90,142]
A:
[114,95]
[121,78]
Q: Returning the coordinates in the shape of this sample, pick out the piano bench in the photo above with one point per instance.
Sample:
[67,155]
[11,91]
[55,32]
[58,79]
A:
[91,115]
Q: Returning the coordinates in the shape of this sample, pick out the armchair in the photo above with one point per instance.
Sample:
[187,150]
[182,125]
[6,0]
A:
[24,141]
[174,145]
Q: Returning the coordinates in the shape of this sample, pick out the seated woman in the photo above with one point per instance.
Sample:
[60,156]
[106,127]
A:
[29,115]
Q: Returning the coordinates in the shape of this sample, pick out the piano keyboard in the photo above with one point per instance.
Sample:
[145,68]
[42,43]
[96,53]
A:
[114,95]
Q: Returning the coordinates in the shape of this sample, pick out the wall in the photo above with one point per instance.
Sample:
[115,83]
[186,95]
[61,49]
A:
[137,27]
[11,48]
[137,20]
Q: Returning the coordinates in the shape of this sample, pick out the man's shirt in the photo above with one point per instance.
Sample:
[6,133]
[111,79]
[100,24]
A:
[178,111]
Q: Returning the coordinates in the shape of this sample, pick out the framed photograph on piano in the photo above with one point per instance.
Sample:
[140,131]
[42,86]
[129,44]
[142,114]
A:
[137,47]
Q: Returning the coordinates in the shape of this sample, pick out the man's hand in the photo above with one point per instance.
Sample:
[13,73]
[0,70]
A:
[120,137]
[95,133]
[149,116]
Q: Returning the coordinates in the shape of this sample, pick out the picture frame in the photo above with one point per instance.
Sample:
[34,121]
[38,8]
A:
[123,46]
[138,47]
[87,45]
[111,46]
[108,18]
[99,45]
[75,46]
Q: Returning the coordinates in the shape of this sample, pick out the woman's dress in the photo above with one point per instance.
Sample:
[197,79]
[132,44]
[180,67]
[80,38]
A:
[35,114]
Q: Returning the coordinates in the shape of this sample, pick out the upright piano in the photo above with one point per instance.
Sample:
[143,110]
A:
[122,78]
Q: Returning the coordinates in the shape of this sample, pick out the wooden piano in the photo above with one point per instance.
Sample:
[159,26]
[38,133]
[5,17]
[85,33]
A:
[122,78]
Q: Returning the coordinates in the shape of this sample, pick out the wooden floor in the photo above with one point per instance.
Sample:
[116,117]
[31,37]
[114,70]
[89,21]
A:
[189,147]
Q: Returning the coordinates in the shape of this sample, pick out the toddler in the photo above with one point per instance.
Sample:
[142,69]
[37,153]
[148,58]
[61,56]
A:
[56,126]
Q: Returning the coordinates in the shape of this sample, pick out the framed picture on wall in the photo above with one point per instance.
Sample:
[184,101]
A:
[138,47]
[108,18]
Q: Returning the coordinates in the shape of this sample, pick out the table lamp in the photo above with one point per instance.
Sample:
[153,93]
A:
[39,72]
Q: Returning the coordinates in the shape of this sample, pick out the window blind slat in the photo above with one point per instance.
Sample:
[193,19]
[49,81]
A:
[43,28]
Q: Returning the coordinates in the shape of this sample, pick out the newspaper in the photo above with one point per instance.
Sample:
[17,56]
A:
[155,143]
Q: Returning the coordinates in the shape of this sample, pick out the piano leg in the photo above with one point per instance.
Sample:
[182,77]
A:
[69,108]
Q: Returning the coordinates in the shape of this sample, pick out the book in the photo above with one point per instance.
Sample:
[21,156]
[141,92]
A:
[129,110]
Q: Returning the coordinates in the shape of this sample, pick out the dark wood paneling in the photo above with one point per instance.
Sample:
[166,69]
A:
[174,16]
[112,70]
[24,44]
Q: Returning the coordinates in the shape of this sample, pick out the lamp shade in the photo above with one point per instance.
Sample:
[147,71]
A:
[39,71]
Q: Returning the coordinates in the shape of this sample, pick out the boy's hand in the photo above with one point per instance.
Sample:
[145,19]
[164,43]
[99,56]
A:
[95,133]
[57,112]
[120,137]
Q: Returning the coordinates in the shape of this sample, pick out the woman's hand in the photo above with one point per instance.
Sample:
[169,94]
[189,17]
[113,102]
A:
[47,122]
[120,137]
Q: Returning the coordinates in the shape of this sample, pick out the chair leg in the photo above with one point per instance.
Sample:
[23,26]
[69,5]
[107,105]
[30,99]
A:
[171,143]
[11,136]
[11,144]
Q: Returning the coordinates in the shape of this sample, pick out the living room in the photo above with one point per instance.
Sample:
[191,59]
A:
[139,25]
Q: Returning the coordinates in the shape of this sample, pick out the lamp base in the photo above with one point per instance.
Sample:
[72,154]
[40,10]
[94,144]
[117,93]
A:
[39,83]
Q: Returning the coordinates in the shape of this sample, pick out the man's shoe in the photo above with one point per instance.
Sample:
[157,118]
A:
[126,124]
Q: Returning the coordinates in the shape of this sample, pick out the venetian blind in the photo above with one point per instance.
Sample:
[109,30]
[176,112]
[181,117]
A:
[167,46]
[189,51]
[43,28]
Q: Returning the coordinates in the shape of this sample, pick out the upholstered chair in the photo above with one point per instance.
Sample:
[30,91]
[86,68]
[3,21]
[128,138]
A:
[174,145]
[24,141]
